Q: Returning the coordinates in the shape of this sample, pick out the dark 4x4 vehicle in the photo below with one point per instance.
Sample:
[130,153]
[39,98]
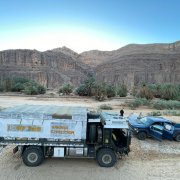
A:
[156,127]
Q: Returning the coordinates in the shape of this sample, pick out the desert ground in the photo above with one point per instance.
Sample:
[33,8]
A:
[147,160]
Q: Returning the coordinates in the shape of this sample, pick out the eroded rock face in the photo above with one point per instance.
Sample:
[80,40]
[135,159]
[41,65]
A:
[131,65]
[136,69]
[49,68]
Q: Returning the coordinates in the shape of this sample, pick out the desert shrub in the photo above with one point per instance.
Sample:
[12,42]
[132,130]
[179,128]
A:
[111,91]
[105,107]
[17,87]
[138,102]
[81,90]
[155,113]
[89,83]
[18,84]
[100,91]
[169,92]
[66,89]
[171,113]
[87,88]
[41,89]
[155,89]
[165,91]
[134,91]
[144,92]
[122,90]
[32,88]
[164,104]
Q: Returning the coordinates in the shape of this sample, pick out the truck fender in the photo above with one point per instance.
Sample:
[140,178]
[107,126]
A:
[102,147]
[23,148]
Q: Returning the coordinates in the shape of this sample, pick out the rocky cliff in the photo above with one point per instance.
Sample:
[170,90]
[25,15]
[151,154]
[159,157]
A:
[50,68]
[135,64]
[131,65]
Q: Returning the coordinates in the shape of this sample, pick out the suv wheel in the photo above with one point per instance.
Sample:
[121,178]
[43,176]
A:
[141,135]
[177,138]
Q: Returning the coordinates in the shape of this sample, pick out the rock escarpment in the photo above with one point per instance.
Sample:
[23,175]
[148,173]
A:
[49,68]
[136,64]
[131,65]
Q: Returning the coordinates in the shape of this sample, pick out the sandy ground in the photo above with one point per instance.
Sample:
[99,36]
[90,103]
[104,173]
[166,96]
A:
[147,160]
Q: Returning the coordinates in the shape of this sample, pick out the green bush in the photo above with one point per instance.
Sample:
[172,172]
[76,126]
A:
[111,91]
[164,104]
[81,90]
[134,91]
[138,102]
[122,90]
[87,88]
[32,88]
[171,113]
[155,89]
[17,87]
[100,91]
[155,113]
[41,89]
[169,92]
[66,89]
[18,84]
[165,91]
[105,107]
[144,92]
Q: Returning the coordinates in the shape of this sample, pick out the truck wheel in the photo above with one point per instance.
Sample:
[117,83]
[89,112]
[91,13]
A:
[106,157]
[33,156]
[177,138]
[141,135]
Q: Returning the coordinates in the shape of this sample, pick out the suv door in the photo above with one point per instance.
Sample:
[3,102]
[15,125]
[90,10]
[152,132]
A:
[168,131]
[156,131]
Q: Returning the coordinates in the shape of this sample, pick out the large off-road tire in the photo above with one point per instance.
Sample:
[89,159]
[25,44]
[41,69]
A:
[177,138]
[106,157]
[141,135]
[33,156]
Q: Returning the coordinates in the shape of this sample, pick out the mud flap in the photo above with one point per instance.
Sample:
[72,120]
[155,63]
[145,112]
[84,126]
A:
[15,150]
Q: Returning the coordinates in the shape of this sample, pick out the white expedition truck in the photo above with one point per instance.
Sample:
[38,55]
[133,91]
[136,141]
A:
[40,131]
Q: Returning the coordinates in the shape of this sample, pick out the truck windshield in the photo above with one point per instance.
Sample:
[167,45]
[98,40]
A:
[145,121]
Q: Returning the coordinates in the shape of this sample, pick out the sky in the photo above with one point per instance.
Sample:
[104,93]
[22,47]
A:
[83,25]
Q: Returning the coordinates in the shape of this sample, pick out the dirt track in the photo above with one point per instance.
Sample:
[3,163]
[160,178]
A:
[148,159]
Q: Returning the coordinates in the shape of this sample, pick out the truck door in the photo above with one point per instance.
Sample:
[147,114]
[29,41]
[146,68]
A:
[156,131]
[168,131]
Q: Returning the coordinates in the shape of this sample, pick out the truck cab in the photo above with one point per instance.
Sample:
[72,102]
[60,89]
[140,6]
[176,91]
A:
[108,136]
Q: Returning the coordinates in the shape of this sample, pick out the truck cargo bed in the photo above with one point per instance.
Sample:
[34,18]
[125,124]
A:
[43,124]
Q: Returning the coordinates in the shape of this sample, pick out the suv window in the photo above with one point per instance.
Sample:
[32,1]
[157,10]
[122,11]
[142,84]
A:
[157,127]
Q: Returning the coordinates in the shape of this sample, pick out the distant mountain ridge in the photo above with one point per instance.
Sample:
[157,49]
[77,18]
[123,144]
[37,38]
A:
[131,65]
[95,57]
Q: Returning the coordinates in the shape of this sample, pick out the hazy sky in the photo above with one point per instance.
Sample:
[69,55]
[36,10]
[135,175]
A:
[87,24]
